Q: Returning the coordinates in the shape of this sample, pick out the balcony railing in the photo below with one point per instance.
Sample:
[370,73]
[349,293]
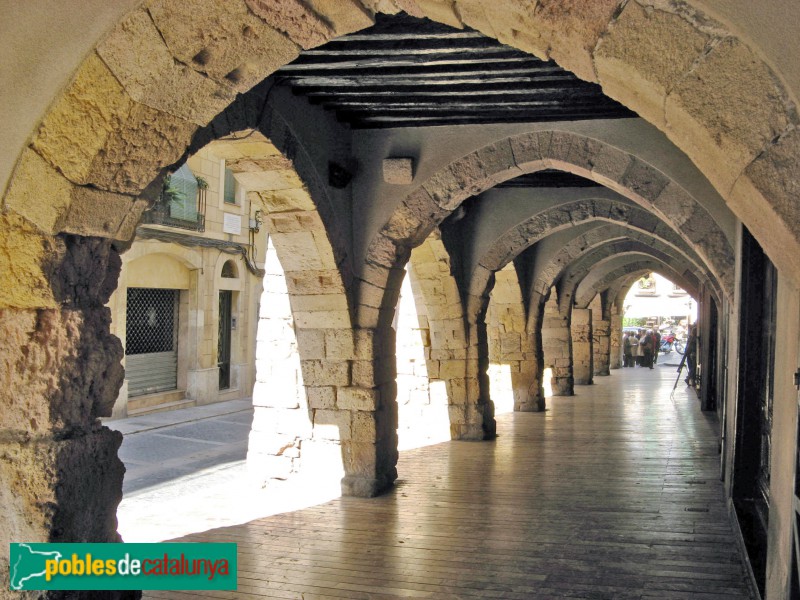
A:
[174,210]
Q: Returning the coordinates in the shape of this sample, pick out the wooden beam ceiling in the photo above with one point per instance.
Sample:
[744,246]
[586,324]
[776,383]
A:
[408,72]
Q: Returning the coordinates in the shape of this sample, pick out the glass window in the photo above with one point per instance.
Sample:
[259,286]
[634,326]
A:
[230,187]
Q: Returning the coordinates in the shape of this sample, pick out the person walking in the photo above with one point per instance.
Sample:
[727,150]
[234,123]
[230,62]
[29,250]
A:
[627,356]
[635,350]
[656,344]
[646,344]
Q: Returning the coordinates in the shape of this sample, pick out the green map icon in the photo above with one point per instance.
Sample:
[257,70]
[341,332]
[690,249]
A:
[27,565]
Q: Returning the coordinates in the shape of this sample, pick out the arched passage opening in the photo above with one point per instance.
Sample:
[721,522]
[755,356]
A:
[762,147]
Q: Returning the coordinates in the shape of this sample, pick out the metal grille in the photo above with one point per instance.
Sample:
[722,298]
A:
[152,320]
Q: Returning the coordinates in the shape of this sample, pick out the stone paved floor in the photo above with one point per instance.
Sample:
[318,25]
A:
[613,493]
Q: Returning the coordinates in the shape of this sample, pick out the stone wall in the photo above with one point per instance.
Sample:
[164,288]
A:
[557,347]
[512,362]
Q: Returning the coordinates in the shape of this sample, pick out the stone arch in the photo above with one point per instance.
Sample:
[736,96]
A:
[580,273]
[604,234]
[553,324]
[744,138]
[422,400]
[561,217]
[606,276]
[340,403]
[452,342]
[430,270]
[750,159]
[669,206]
[510,346]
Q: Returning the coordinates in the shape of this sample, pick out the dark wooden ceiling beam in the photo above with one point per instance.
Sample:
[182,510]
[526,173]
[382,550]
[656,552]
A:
[406,72]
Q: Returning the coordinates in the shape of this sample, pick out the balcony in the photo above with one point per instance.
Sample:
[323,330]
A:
[182,203]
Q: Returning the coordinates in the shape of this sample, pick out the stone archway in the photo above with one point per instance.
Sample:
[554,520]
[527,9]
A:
[65,202]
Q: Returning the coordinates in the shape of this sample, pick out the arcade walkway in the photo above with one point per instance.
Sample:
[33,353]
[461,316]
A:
[613,493]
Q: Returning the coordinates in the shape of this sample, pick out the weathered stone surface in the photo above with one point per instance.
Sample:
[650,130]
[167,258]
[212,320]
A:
[294,18]
[321,397]
[644,55]
[398,171]
[85,273]
[344,16]
[472,174]
[77,128]
[314,282]
[359,399]
[568,32]
[326,372]
[60,490]
[644,180]
[340,344]
[277,201]
[675,204]
[137,56]
[723,142]
[54,204]
[39,193]
[332,424]
[609,164]
[443,11]
[65,367]
[773,173]
[26,259]
[94,213]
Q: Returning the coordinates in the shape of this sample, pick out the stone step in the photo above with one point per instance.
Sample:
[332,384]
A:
[157,399]
[174,405]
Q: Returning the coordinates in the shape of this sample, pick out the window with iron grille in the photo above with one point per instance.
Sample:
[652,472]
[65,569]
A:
[151,320]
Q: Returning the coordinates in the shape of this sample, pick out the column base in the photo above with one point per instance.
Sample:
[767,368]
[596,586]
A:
[364,487]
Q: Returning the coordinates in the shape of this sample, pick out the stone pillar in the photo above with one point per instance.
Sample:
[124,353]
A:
[601,345]
[557,347]
[615,343]
[582,353]
[369,444]
[601,339]
[60,477]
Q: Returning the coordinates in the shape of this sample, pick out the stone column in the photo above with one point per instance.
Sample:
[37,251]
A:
[582,353]
[557,347]
[615,343]
[601,339]
[369,440]
[60,477]
[601,344]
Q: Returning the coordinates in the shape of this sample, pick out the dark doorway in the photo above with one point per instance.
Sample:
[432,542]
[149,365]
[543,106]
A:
[756,392]
[224,339]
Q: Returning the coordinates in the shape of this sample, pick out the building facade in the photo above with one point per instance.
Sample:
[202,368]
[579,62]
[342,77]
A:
[186,305]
